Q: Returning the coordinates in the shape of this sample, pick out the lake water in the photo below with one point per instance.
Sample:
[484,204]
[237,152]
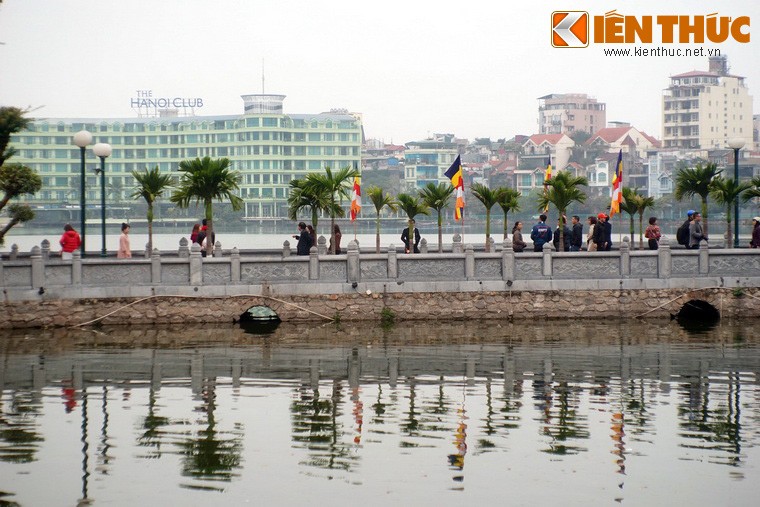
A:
[430,414]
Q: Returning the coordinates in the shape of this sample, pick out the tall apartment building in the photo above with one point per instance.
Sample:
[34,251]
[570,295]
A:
[426,161]
[565,113]
[704,109]
[269,148]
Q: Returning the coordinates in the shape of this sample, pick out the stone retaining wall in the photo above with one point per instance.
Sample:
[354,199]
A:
[492,305]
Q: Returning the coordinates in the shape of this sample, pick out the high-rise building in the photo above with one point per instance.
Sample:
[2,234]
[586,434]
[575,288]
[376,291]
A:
[565,113]
[269,148]
[704,109]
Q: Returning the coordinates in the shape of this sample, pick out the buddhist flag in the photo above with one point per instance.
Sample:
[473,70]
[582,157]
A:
[454,173]
[356,199]
[617,186]
[547,177]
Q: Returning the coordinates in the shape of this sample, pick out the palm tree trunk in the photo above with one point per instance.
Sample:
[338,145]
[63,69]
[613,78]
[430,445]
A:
[410,235]
[440,232]
[729,235]
[332,228]
[561,228]
[150,227]
[209,229]
[488,230]
[377,234]
[641,231]
[505,225]
[633,229]
[704,215]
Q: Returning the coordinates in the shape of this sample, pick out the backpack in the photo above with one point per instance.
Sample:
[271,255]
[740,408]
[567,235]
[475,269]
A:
[682,234]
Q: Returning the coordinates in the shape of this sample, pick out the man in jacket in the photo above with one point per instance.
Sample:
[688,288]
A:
[755,243]
[540,234]
[577,240]
[304,240]
[600,233]
[696,234]
[567,236]
[405,239]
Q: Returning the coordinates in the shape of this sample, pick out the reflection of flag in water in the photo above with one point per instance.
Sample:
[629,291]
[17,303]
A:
[547,177]
[618,433]
[617,186]
[358,412]
[460,441]
[454,173]
[356,199]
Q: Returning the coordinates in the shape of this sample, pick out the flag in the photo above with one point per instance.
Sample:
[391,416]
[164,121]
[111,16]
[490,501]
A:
[617,186]
[547,177]
[454,173]
[356,199]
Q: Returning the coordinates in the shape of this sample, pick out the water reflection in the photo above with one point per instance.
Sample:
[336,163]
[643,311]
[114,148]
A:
[195,412]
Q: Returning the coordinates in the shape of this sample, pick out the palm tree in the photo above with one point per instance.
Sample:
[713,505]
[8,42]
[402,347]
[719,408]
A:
[489,198]
[754,190]
[151,185]
[727,191]
[380,200]
[301,198]
[412,206]
[204,180]
[437,197]
[562,191]
[643,203]
[333,185]
[696,181]
[509,200]
[630,195]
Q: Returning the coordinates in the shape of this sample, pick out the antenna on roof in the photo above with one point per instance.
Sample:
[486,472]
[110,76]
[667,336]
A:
[263,90]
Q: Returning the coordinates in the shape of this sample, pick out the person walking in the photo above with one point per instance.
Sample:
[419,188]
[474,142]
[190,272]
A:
[653,234]
[194,234]
[600,233]
[755,243]
[540,234]
[124,251]
[590,245]
[304,240]
[576,242]
[313,234]
[696,233]
[405,238]
[518,245]
[607,233]
[70,241]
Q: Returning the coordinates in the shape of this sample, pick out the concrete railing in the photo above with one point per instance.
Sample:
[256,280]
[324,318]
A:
[40,272]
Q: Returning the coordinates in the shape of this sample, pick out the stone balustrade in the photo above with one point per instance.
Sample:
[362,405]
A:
[462,269]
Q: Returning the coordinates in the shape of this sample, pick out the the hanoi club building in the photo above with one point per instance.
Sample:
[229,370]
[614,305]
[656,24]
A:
[269,148]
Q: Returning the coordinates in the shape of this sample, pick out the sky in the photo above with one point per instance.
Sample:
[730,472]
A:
[412,68]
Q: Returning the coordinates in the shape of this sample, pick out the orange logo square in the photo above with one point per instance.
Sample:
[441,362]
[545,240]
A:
[569,29]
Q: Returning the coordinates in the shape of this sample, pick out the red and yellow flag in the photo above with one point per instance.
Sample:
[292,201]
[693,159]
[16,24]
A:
[356,199]
[454,173]
[617,186]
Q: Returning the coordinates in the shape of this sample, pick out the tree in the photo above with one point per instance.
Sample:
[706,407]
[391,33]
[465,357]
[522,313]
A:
[643,203]
[301,198]
[15,179]
[696,181]
[753,191]
[629,206]
[334,186]
[202,181]
[151,185]
[436,196]
[412,206]
[380,200]
[488,198]
[562,191]
[727,191]
[509,200]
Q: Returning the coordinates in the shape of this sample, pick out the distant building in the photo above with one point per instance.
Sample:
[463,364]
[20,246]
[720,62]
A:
[268,147]
[426,161]
[540,147]
[565,113]
[704,109]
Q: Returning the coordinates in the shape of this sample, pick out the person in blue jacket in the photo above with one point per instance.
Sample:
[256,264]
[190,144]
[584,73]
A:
[540,234]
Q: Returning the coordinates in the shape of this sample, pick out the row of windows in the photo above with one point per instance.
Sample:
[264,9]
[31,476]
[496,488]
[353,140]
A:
[286,137]
[179,126]
[66,196]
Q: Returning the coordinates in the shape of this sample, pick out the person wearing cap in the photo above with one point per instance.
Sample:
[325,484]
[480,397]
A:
[601,234]
[755,243]
[682,233]
[607,233]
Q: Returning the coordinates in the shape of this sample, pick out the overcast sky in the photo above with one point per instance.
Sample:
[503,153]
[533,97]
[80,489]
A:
[471,68]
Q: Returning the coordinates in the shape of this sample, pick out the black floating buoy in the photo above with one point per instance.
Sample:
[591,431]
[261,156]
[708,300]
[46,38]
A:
[259,320]
[697,314]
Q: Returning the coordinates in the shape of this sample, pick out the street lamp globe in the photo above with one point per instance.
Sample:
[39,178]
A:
[737,143]
[83,138]
[102,150]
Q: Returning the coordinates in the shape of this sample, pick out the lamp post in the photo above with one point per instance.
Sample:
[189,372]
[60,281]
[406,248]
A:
[82,139]
[103,151]
[736,145]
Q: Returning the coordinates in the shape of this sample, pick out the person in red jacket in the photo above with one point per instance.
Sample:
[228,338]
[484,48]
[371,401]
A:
[70,241]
